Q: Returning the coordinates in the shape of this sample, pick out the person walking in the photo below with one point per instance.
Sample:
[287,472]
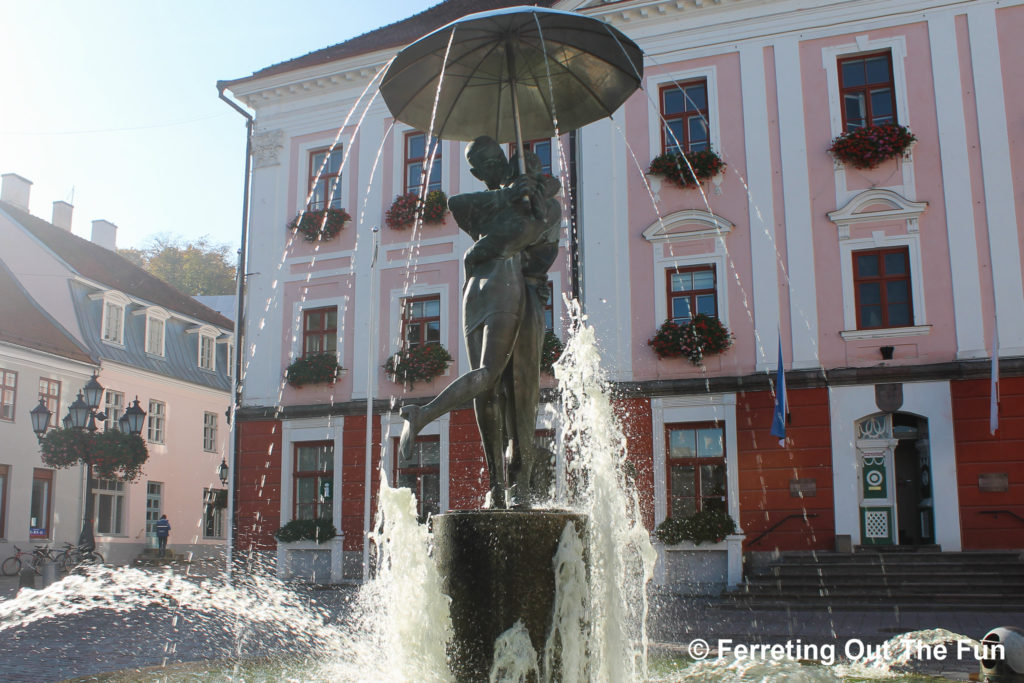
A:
[163,530]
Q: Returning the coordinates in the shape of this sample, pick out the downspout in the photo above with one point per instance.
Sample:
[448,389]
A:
[236,382]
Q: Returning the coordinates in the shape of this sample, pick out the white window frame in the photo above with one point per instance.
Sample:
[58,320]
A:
[155,317]
[160,429]
[212,334]
[685,226]
[853,214]
[119,505]
[688,409]
[298,310]
[830,56]
[210,428]
[113,300]
[395,340]
[398,173]
[438,428]
[322,143]
[654,84]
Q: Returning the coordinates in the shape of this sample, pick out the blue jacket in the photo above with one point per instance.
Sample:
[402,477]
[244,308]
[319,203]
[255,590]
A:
[163,528]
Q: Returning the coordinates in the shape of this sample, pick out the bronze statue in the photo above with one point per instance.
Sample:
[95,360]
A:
[515,225]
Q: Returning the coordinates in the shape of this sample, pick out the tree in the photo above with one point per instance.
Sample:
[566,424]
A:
[197,268]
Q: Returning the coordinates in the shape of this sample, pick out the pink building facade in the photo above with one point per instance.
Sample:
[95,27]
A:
[883,285]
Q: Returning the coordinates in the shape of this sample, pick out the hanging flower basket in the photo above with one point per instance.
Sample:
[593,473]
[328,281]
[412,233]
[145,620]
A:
[702,336]
[675,169]
[113,454]
[320,225]
[320,368]
[868,147]
[404,209]
[551,352]
[419,364]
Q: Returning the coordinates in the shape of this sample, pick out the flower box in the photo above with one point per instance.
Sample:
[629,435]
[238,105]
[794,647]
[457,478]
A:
[320,225]
[407,207]
[686,171]
[320,368]
[702,336]
[870,146]
[419,364]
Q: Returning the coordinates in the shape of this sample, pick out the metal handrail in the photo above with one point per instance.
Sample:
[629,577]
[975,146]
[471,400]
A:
[995,513]
[780,523]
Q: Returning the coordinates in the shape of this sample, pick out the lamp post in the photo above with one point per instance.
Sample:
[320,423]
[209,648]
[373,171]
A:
[222,472]
[82,415]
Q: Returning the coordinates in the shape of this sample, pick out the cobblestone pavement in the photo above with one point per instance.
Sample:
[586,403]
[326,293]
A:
[154,634]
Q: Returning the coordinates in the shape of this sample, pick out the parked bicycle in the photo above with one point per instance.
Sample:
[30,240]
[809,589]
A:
[74,556]
[34,558]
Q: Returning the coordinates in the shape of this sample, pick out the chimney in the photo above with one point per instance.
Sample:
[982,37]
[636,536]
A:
[104,233]
[15,190]
[62,215]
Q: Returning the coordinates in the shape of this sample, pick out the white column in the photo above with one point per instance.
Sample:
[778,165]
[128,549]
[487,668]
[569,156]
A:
[1000,210]
[764,286]
[956,188]
[796,194]
[604,245]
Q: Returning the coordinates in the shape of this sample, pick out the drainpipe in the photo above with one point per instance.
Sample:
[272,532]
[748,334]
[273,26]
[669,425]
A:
[236,383]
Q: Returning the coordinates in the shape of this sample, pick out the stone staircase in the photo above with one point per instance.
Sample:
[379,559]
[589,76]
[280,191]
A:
[915,579]
[150,557]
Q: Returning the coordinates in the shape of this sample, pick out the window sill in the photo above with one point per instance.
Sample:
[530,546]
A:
[885,333]
[118,344]
[150,354]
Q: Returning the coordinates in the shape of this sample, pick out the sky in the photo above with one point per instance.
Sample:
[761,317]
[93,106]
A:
[112,104]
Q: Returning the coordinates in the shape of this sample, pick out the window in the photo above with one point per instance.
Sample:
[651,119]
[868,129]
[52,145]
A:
[41,505]
[112,408]
[215,503]
[210,432]
[881,283]
[691,291]
[696,468]
[155,421]
[108,506]
[549,308]
[49,391]
[417,155]
[206,352]
[421,321]
[866,90]
[8,389]
[154,336]
[320,331]
[4,469]
[325,179]
[542,148]
[154,506]
[684,108]
[113,322]
[314,480]
[421,472]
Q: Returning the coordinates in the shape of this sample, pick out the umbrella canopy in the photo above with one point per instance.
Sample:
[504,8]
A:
[509,73]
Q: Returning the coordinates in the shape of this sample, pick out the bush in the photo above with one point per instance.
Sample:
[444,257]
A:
[551,352]
[674,167]
[319,530]
[870,146]
[705,526]
[419,364]
[318,368]
[320,225]
[702,336]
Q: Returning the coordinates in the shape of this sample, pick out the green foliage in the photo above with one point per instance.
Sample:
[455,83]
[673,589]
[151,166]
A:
[702,336]
[706,526]
[320,225]
[113,454]
[688,170]
[198,268]
[551,352]
[319,530]
[313,369]
[420,363]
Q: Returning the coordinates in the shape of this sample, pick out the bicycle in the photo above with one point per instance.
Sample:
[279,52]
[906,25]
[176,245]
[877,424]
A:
[73,557]
[12,565]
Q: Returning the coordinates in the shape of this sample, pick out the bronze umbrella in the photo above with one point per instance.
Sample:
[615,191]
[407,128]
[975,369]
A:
[516,73]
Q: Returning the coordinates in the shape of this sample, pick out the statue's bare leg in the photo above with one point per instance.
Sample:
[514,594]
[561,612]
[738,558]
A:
[525,380]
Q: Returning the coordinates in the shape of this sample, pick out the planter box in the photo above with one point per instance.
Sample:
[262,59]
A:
[705,569]
[310,561]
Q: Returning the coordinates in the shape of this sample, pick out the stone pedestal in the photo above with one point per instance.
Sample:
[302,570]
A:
[497,567]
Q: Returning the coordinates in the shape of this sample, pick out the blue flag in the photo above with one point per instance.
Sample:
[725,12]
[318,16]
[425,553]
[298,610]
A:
[781,408]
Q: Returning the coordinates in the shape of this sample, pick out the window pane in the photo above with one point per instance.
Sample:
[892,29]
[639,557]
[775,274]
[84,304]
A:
[413,177]
[435,175]
[709,442]
[683,503]
[416,146]
[429,452]
[870,293]
[899,315]
[855,110]
[712,480]
[681,309]
[318,160]
[407,481]
[698,131]
[312,321]
[881,106]
[431,308]
[896,264]
[305,490]
[673,100]
[307,458]
[867,265]
[877,69]
[412,333]
[897,291]
[430,494]
[853,72]
[681,443]
[871,316]
[682,282]
[674,137]
[433,331]
[335,164]
[304,511]
[330,344]
[703,279]
[332,319]
[713,504]
[696,97]
[706,305]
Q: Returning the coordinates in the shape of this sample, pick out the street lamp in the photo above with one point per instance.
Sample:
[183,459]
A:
[222,472]
[40,418]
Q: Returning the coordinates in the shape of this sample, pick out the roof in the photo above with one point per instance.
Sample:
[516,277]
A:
[25,324]
[393,35]
[113,270]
